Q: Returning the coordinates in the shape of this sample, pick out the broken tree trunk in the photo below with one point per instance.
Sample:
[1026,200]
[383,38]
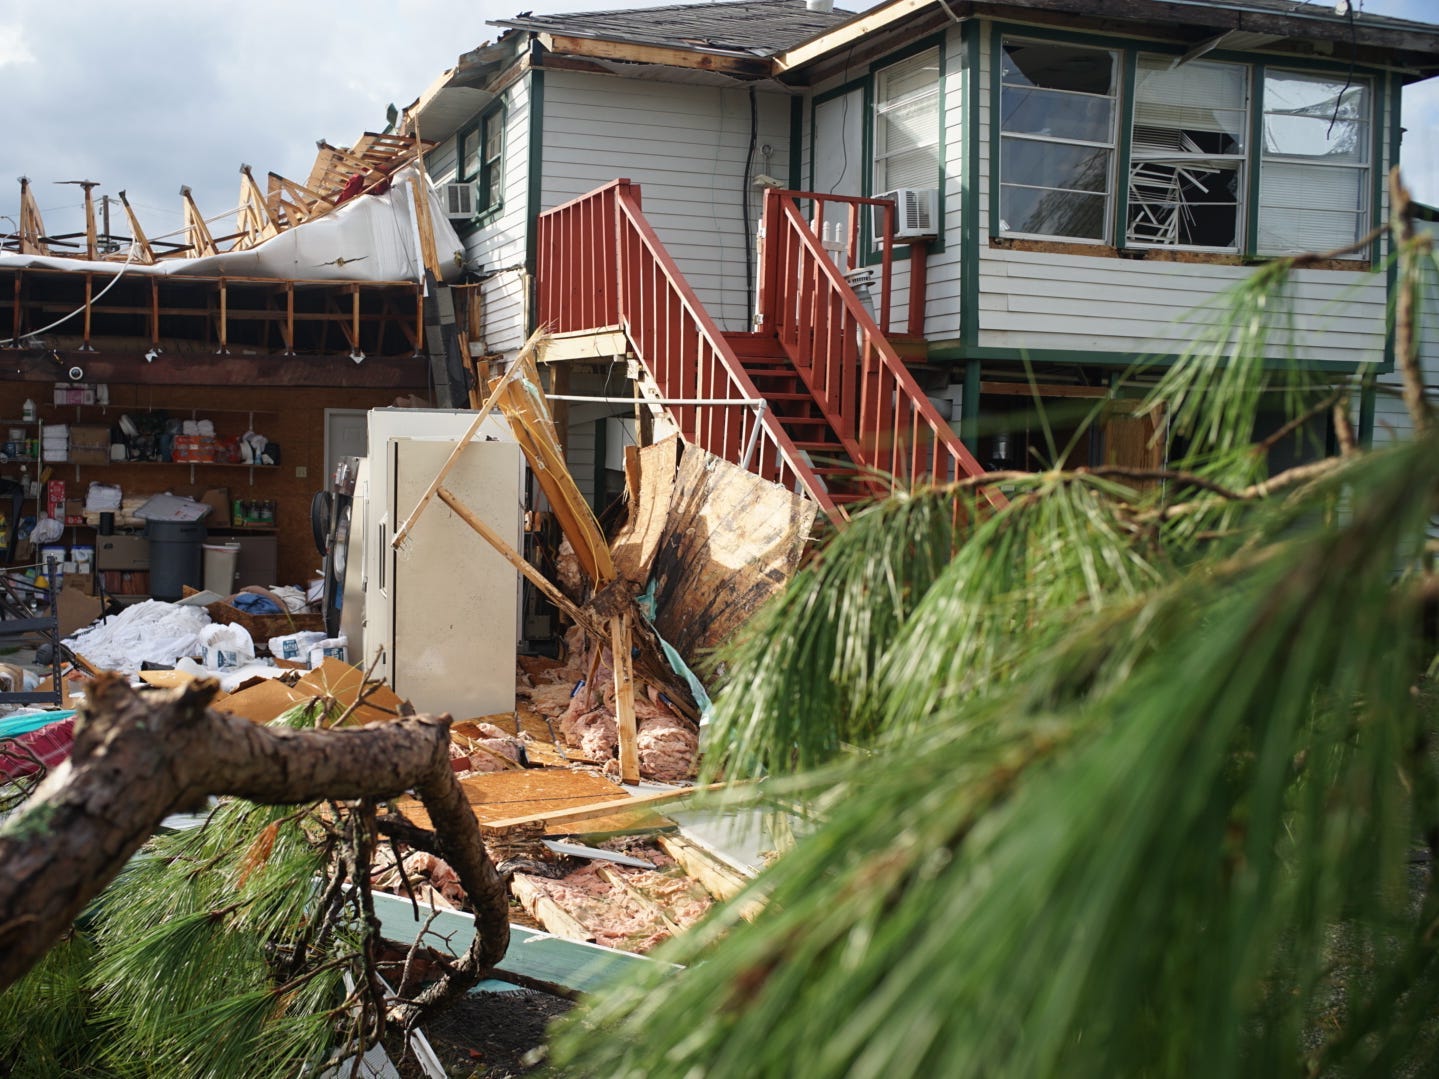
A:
[136,760]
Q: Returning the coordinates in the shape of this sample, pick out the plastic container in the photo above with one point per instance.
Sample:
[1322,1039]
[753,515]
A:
[220,561]
[175,557]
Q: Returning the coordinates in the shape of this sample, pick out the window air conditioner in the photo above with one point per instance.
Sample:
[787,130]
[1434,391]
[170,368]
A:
[459,201]
[916,214]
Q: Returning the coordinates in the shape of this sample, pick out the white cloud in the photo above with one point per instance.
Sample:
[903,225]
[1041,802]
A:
[13,49]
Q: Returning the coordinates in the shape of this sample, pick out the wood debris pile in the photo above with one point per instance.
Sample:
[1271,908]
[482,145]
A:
[577,699]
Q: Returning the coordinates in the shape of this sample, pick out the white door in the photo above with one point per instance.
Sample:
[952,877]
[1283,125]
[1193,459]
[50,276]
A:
[454,599]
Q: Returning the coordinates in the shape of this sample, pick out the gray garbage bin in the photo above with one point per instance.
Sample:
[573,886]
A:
[176,557]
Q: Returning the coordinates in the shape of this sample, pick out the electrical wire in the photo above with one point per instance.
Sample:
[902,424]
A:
[129,260]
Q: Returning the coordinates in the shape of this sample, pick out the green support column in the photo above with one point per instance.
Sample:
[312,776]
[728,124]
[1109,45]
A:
[1367,396]
[969,409]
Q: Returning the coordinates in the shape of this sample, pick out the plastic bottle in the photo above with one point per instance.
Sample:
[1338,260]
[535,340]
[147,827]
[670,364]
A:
[27,411]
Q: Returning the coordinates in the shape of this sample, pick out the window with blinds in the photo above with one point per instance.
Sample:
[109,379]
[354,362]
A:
[1187,154]
[1057,128]
[1314,178]
[906,123]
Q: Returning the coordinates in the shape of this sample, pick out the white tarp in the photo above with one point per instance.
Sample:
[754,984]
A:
[368,238]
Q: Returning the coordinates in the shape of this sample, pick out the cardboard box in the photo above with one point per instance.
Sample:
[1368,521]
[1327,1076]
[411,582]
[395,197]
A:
[55,499]
[89,444]
[74,511]
[75,606]
[120,552]
[217,498]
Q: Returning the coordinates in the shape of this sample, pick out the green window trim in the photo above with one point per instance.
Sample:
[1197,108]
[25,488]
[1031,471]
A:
[865,85]
[479,159]
[1381,108]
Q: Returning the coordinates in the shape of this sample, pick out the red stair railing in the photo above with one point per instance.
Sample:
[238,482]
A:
[600,264]
[860,383]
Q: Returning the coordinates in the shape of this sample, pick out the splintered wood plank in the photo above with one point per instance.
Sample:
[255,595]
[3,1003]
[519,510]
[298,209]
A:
[625,722]
[546,911]
[732,540]
[720,880]
[501,799]
[652,477]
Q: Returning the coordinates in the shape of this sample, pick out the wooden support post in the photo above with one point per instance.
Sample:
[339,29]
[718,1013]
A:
[289,318]
[514,558]
[404,529]
[224,318]
[155,312]
[355,318]
[625,698]
[918,283]
[89,292]
[427,252]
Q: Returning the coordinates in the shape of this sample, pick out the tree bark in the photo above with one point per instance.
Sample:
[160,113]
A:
[136,760]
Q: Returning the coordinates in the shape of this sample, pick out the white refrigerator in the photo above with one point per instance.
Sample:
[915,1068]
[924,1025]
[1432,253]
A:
[441,614]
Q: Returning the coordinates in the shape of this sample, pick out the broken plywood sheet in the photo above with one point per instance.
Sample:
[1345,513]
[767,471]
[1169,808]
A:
[732,540]
[650,475]
[264,701]
[501,797]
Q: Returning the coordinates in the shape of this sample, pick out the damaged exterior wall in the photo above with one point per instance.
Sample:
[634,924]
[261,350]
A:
[729,541]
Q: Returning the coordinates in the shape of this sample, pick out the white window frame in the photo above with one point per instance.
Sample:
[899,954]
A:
[1363,167]
[1180,158]
[885,104]
[1106,239]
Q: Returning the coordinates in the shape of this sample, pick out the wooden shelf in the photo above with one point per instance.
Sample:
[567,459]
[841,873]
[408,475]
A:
[161,464]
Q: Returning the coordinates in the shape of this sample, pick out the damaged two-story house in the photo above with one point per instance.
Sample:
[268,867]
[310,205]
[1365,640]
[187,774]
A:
[820,240]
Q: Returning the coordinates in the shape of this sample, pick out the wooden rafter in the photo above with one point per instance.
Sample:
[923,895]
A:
[144,252]
[293,203]
[32,226]
[196,231]
[256,219]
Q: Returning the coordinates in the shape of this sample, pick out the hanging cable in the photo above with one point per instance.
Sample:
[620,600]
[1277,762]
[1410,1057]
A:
[129,259]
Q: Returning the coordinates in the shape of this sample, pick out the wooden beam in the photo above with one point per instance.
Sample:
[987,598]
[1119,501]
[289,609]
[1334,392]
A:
[652,54]
[722,881]
[585,345]
[546,911]
[615,879]
[594,809]
[514,558]
[409,523]
[182,367]
[196,231]
[621,647]
[428,256]
[852,31]
[147,253]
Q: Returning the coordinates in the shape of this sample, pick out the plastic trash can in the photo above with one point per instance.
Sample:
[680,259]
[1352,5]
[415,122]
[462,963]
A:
[221,561]
[175,557]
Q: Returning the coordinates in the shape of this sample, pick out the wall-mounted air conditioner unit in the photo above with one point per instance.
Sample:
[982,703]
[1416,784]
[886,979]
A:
[459,200]
[916,214]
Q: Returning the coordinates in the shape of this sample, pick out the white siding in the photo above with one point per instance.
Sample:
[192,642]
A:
[1035,300]
[1391,418]
[500,242]
[686,147]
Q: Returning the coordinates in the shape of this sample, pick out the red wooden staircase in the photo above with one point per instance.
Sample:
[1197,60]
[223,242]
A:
[816,400]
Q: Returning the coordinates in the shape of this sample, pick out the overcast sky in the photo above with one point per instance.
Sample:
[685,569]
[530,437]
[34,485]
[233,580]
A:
[148,95]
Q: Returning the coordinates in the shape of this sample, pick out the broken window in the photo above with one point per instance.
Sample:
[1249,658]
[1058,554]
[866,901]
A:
[906,123]
[1186,166]
[1057,111]
[1314,186]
